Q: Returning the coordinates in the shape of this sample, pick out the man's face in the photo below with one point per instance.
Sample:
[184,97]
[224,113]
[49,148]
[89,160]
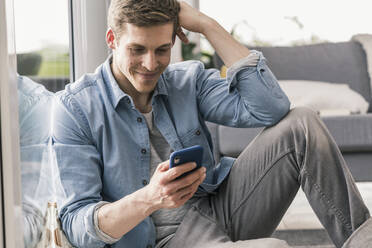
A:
[141,54]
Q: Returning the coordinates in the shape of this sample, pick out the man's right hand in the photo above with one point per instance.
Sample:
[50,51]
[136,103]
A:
[166,191]
[229,50]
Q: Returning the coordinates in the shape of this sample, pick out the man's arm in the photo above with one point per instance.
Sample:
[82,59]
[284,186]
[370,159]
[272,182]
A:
[225,45]
[117,218]
[250,96]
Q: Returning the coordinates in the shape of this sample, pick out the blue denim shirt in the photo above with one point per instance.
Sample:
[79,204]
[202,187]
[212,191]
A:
[34,126]
[102,143]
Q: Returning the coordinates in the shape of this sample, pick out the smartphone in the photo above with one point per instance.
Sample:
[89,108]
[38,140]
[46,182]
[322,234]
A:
[189,154]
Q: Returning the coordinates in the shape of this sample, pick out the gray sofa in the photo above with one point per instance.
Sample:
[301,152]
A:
[331,62]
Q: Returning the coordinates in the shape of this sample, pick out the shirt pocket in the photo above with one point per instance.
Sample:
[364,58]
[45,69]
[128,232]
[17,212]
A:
[197,136]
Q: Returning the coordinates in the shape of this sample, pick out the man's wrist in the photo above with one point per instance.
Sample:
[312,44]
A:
[146,201]
[208,24]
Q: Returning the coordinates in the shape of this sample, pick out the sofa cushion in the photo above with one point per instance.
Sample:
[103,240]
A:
[342,62]
[359,165]
[323,97]
[351,133]
[232,141]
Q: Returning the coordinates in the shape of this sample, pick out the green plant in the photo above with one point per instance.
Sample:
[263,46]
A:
[28,63]
[203,56]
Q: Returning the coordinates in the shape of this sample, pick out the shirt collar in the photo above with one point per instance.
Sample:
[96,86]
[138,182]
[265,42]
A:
[161,88]
[116,94]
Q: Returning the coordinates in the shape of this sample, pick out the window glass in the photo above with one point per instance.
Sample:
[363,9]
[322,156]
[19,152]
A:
[42,41]
[42,47]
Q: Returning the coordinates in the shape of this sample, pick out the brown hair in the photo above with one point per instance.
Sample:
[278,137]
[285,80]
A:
[142,13]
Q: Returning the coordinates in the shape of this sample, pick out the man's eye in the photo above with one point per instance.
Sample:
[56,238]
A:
[137,50]
[163,50]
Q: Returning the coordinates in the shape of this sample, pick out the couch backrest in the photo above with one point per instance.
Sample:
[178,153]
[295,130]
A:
[342,62]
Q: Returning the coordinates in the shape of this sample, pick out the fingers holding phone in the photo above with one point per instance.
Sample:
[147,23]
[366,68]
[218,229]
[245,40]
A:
[176,180]
[183,177]
[181,182]
[186,179]
[188,185]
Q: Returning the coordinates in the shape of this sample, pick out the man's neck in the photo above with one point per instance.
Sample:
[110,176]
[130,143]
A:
[142,101]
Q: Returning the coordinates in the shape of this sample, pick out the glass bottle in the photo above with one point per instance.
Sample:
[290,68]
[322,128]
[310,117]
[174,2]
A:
[52,235]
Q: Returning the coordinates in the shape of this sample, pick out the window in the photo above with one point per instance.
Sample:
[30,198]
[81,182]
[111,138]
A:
[38,43]
[287,22]
[42,41]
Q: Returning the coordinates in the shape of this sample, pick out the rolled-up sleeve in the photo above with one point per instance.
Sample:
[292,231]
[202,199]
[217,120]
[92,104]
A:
[250,96]
[80,169]
[102,235]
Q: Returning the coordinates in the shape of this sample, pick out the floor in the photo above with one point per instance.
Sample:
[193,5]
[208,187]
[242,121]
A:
[301,216]
[302,229]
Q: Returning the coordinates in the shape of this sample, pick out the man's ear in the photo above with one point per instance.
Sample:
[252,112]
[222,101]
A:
[110,39]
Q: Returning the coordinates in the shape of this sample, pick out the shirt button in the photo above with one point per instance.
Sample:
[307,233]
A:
[139,119]
[197,132]
[143,151]
[144,182]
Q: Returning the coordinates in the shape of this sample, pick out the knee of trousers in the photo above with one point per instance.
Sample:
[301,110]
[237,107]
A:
[300,120]
[303,114]
[302,128]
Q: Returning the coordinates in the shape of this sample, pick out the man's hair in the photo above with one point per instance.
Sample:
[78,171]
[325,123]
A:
[142,13]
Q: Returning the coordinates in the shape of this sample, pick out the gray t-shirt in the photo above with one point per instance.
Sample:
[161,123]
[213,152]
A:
[166,220]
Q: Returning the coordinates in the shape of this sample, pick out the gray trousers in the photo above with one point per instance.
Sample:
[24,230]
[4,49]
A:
[298,151]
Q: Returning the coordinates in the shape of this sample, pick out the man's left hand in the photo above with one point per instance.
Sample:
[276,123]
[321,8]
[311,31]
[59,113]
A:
[190,19]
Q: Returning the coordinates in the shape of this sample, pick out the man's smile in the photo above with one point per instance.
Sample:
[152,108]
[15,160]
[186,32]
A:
[148,75]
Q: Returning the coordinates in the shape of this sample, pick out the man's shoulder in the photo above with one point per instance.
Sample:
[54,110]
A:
[80,95]
[74,104]
[184,67]
[87,82]
[86,89]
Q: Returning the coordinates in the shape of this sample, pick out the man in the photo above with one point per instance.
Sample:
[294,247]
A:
[114,131]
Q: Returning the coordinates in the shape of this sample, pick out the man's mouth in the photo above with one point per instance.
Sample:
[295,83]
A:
[148,75]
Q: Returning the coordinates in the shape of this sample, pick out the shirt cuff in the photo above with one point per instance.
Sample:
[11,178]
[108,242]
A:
[250,61]
[103,236]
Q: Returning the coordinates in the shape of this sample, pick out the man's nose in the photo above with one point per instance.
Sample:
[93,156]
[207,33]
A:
[150,62]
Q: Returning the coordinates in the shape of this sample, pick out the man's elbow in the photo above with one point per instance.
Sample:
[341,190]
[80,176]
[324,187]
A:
[280,110]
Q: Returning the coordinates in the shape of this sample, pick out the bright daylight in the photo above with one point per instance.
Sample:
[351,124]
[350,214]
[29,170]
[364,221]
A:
[186,124]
